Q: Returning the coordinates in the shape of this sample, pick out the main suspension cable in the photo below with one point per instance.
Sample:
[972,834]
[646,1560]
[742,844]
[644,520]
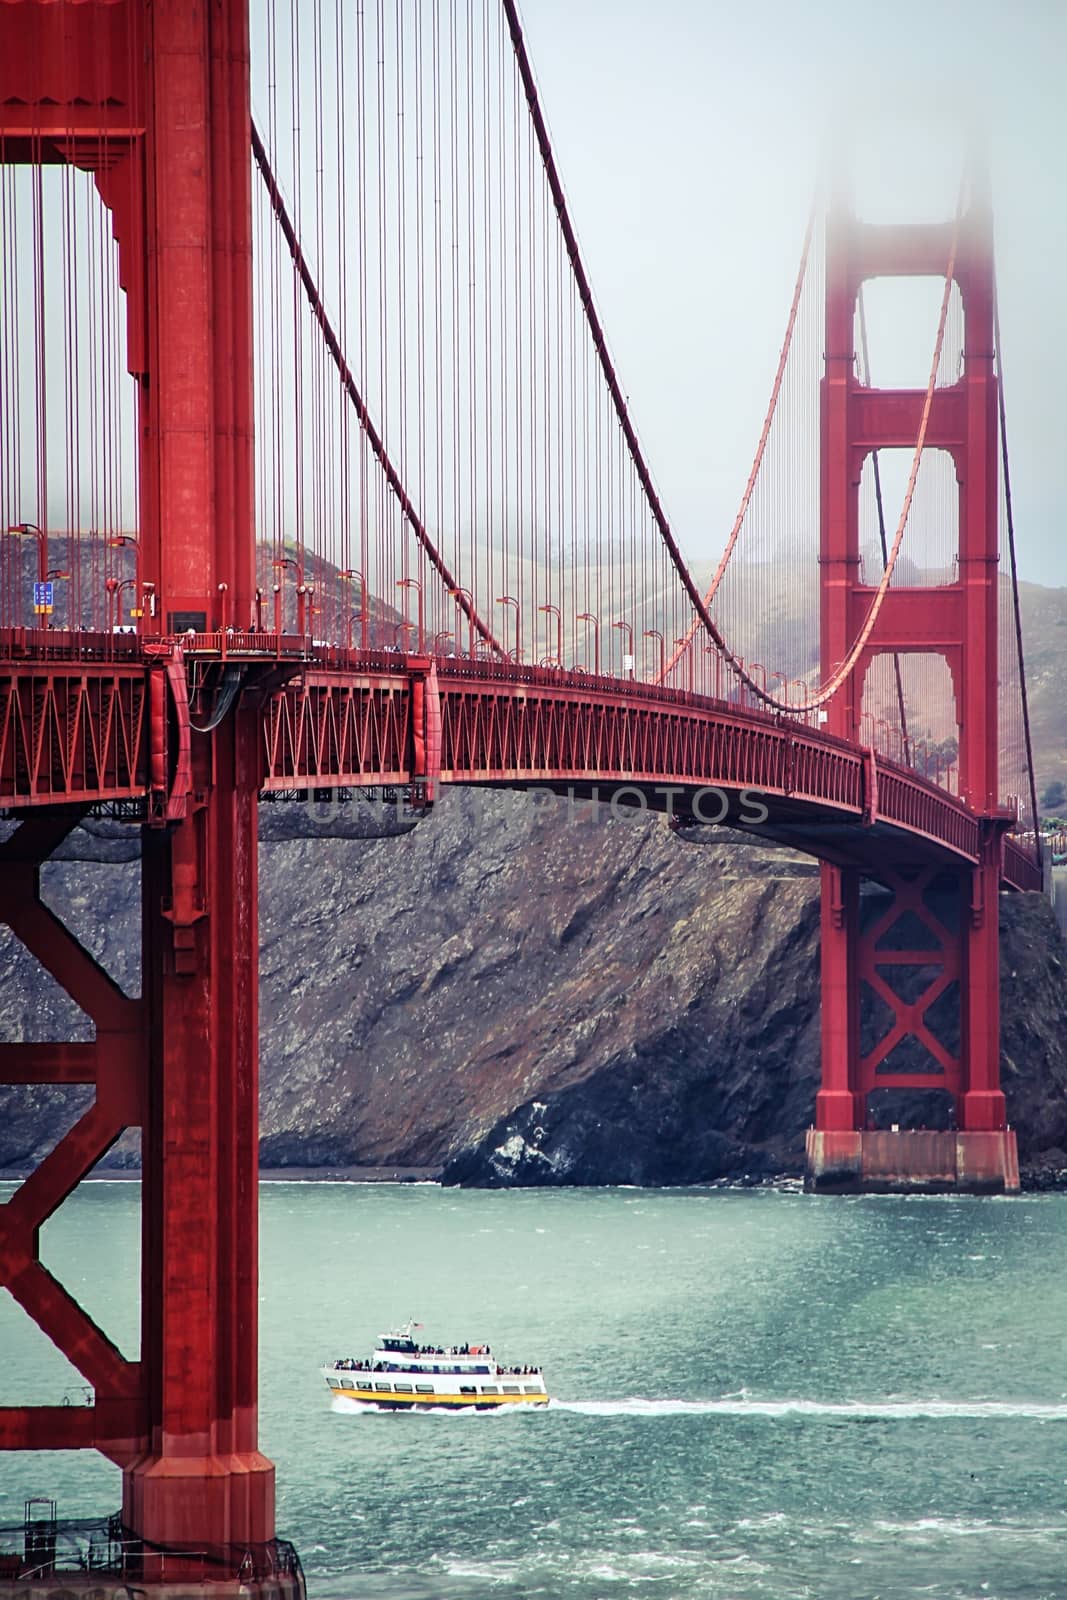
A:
[1015,577]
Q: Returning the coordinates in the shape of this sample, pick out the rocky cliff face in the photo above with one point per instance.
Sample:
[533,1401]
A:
[514,992]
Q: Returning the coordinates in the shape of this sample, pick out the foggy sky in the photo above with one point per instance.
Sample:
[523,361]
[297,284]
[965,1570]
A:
[688,135]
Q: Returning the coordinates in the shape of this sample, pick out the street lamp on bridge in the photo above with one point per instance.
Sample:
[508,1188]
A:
[713,650]
[590,616]
[685,647]
[297,566]
[459,595]
[30,530]
[114,587]
[438,639]
[346,577]
[510,600]
[554,611]
[146,591]
[654,633]
[414,583]
[628,628]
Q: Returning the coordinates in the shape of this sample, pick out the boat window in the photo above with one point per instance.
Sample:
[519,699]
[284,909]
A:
[384,1388]
[481,1369]
[424,1388]
[403,1388]
[467,1388]
[530,1388]
[335,1383]
[346,1383]
[511,1388]
[490,1388]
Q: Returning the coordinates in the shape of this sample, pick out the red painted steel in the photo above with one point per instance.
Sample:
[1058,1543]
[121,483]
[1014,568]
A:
[957,621]
[154,100]
[116,1421]
[340,721]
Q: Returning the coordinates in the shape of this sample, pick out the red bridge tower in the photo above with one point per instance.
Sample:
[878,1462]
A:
[926,952]
[154,101]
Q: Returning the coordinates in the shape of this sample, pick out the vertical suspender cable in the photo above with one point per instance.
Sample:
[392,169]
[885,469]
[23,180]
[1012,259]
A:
[318,311]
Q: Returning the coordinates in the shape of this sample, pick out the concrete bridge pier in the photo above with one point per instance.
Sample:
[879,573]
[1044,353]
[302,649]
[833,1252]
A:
[911,1161]
[911,1098]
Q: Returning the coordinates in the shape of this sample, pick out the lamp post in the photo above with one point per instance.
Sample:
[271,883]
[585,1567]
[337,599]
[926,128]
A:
[757,666]
[297,566]
[686,646]
[712,650]
[59,575]
[590,616]
[784,676]
[398,629]
[628,628]
[127,541]
[554,611]
[30,530]
[130,541]
[465,594]
[414,583]
[346,577]
[802,698]
[437,639]
[510,600]
[114,589]
[654,633]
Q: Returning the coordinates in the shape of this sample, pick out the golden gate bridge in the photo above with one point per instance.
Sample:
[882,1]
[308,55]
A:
[318,475]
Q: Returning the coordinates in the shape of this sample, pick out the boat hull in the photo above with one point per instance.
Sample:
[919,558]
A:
[437,1402]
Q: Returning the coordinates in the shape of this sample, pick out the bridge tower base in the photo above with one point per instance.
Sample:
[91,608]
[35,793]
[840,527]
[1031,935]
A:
[910,1098]
[911,1161]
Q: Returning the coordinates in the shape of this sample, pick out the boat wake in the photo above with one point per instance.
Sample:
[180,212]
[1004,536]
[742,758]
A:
[849,1410]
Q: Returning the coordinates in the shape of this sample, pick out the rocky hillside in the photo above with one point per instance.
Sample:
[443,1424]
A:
[517,994]
[1044,614]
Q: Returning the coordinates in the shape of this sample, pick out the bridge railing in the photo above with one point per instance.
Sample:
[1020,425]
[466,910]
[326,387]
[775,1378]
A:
[1023,869]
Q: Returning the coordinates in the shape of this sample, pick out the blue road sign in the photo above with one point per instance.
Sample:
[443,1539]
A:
[43,596]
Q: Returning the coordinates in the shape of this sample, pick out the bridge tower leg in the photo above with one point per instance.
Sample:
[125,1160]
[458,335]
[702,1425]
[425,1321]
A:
[910,965]
[154,100]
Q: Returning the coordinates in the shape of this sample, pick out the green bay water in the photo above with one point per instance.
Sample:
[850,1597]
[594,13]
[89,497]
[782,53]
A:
[756,1394]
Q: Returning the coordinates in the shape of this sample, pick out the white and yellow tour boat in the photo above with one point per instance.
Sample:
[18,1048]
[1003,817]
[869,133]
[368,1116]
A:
[403,1375]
